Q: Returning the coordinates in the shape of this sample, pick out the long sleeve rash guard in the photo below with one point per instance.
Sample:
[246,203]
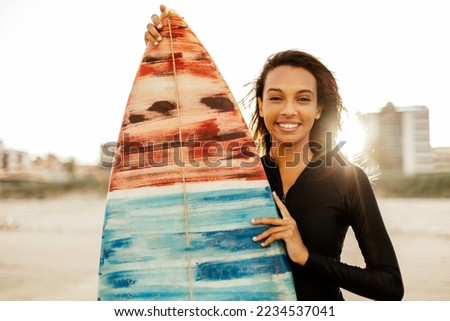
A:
[325,201]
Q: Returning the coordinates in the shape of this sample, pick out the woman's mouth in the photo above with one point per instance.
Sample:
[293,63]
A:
[288,125]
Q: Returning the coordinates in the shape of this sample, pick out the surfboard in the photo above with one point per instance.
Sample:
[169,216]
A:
[185,184]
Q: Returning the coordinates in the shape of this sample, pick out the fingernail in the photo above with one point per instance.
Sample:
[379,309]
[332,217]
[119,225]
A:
[159,38]
[156,43]
[252,221]
[160,26]
[254,238]
[262,244]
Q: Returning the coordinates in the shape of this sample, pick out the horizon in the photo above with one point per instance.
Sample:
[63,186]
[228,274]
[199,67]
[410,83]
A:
[350,147]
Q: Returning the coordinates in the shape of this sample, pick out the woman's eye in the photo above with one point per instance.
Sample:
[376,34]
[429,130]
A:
[274,98]
[304,99]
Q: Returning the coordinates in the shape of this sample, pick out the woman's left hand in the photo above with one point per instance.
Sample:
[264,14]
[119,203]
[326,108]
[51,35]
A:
[284,228]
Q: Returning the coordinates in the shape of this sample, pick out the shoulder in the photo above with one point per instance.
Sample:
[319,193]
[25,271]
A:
[342,172]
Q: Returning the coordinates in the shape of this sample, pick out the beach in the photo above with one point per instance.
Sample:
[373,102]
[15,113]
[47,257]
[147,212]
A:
[49,248]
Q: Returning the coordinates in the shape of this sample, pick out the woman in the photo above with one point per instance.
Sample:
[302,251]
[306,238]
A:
[320,195]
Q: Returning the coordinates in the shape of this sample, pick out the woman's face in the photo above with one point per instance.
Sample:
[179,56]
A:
[289,106]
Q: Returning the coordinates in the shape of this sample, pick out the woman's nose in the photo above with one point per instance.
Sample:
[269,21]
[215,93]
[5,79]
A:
[289,108]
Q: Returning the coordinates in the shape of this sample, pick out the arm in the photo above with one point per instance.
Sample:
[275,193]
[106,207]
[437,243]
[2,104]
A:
[381,279]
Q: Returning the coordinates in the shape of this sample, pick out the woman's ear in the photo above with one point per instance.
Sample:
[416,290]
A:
[318,112]
[260,107]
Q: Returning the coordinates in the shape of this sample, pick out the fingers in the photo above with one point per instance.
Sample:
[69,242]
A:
[156,22]
[285,229]
[270,235]
[272,238]
[152,34]
[284,211]
[148,37]
[268,221]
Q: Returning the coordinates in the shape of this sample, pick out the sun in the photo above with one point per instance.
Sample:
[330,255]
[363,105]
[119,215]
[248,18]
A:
[353,135]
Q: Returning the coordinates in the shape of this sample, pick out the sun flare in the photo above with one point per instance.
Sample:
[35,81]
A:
[353,135]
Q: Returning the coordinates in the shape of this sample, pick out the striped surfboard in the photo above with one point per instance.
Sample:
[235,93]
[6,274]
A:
[185,184]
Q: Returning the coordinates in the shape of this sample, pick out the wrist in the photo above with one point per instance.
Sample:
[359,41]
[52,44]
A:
[302,257]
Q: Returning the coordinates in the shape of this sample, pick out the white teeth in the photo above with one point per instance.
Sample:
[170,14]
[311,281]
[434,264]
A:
[288,126]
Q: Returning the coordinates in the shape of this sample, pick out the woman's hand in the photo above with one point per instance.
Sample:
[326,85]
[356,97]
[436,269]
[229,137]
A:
[283,229]
[152,34]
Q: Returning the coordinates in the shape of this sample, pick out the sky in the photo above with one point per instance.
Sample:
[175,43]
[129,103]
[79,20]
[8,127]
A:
[67,67]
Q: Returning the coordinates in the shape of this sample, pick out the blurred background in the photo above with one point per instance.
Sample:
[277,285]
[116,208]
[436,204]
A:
[66,70]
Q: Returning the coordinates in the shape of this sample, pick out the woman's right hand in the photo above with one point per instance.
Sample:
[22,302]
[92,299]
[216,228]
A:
[152,34]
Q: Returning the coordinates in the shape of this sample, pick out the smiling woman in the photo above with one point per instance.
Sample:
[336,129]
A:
[297,106]
[289,107]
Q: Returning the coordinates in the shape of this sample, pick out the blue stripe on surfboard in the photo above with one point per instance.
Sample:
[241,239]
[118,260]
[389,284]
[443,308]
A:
[230,241]
[145,235]
[165,213]
[159,235]
[137,285]
[223,241]
[242,268]
[198,199]
[212,271]
[201,293]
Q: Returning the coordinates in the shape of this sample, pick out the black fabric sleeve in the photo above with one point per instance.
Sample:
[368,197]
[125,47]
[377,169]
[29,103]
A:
[381,278]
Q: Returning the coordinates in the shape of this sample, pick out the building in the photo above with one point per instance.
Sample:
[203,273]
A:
[20,175]
[16,165]
[13,160]
[400,139]
[441,159]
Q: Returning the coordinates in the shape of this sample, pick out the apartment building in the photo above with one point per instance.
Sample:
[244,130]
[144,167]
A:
[400,139]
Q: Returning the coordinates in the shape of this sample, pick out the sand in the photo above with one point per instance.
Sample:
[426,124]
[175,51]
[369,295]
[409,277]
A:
[49,249]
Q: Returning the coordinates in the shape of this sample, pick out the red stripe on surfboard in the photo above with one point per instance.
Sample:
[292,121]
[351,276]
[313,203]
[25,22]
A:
[216,141]
[154,64]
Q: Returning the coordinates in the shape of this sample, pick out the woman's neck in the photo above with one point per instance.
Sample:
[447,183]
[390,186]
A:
[288,157]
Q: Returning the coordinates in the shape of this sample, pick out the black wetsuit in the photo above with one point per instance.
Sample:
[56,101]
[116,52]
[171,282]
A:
[325,201]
